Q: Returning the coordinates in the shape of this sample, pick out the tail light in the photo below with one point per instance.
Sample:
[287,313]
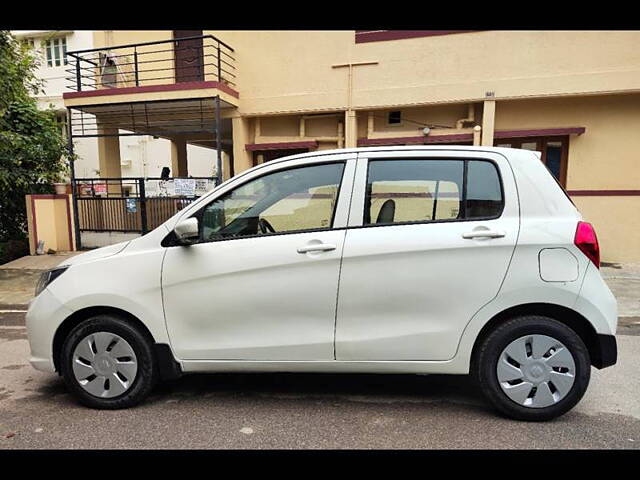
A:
[587,242]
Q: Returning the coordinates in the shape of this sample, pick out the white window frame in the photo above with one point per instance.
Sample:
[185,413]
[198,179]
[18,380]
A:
[55,51]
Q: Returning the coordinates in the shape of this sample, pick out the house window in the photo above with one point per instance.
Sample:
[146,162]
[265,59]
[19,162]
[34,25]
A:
[56,51]
[28,42]
[394,118]
[555,152]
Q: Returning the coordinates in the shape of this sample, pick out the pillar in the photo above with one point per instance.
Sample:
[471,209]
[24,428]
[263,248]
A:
[109,156]
[488,122]
[351,129]
[241,157]
[179,157]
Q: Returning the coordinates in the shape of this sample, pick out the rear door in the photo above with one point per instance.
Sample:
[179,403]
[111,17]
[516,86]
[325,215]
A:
[430,237]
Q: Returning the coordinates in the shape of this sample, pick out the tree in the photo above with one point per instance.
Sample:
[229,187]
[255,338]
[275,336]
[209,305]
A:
[33,151]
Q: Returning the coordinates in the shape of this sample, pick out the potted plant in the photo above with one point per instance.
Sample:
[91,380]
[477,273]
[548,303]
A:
[61,185]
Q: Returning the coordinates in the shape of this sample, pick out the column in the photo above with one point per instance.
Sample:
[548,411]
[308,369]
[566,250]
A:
[241,157]
[179,157]
[109,155]
[351,129]
[488,122]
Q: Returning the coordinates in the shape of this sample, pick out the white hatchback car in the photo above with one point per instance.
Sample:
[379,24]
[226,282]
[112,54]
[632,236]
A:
[449,260]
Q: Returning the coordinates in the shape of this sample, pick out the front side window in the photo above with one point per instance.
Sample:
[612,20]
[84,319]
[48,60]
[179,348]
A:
[299,199]
[405,191]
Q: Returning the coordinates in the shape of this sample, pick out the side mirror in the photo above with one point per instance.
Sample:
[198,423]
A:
[187,231]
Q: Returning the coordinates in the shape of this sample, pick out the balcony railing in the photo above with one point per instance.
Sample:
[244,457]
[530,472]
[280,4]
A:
[187,59]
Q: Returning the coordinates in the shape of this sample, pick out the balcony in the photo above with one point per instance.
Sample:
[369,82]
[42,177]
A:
[188,67]
[176,89]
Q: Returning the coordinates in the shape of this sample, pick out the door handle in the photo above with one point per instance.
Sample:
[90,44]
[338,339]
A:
[317,247]
[483,234]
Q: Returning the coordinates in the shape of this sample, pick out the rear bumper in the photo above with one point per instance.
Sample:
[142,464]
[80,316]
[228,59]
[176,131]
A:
[607,351]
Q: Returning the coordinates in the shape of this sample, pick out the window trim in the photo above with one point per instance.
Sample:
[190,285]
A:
[170,241]
[463,202]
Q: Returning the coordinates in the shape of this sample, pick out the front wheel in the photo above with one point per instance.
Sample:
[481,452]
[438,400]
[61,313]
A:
[107,363]
[533,368]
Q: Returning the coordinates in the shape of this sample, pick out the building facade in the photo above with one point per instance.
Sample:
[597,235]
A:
[574,96]
[140,155]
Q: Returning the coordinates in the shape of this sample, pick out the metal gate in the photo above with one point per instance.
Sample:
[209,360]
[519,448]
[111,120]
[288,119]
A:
[134,204]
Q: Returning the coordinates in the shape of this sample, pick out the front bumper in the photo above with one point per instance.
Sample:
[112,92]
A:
[606,353]
[44,316]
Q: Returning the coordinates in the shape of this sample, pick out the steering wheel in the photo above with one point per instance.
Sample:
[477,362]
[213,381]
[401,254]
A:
[265,226]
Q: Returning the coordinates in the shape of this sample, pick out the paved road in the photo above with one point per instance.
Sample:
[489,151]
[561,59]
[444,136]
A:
[307,411]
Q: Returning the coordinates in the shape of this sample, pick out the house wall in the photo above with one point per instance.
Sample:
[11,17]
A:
[538,80]
[605,157]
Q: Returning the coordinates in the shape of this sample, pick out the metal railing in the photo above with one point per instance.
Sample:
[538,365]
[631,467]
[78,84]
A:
[187,59]
[134,204]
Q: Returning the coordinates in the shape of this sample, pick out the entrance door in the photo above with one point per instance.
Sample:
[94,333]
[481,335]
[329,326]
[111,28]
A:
[437,231]
[189,59]
[262,282]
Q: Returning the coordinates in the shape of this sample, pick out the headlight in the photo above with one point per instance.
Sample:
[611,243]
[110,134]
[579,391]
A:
[47,277]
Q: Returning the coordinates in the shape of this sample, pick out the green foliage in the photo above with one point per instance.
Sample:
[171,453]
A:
[33,152]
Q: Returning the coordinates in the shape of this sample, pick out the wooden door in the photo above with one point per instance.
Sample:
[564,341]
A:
[189,56]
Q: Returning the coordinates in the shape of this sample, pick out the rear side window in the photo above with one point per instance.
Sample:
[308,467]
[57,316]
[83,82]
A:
[405,191]
[484,191]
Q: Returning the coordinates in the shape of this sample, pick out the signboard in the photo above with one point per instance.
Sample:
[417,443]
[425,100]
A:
[203,185]
[185,186]
[99,188]
[132,206]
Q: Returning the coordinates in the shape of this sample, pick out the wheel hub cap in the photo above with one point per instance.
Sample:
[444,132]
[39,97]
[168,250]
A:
[104,364]
[536,371]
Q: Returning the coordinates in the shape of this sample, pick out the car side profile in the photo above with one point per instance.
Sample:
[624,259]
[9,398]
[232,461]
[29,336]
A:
[448,260]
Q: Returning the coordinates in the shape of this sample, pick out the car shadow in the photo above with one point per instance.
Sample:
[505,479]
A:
[371,388]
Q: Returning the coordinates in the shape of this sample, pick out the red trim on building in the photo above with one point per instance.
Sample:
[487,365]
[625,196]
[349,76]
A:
[35,224]
[153,88]
[48,196]
[604,193]
[257,147]
[467,137]
[421,140]
[364,36]
[71,244]
[540,132]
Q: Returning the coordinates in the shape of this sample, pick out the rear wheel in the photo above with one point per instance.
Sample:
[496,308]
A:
[533,368]
[107,363]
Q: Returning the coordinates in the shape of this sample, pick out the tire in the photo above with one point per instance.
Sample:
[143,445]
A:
[135,368]
[536,370]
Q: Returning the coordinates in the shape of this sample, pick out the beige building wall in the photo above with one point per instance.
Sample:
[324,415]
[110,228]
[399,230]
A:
[289,71]
[538,80]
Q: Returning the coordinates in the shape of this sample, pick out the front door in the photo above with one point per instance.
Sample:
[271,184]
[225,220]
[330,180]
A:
[435,235]
[189,56]
[262,283]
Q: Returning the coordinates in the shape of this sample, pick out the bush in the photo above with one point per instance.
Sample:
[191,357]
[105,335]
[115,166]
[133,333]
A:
[12,249]
[33,151]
